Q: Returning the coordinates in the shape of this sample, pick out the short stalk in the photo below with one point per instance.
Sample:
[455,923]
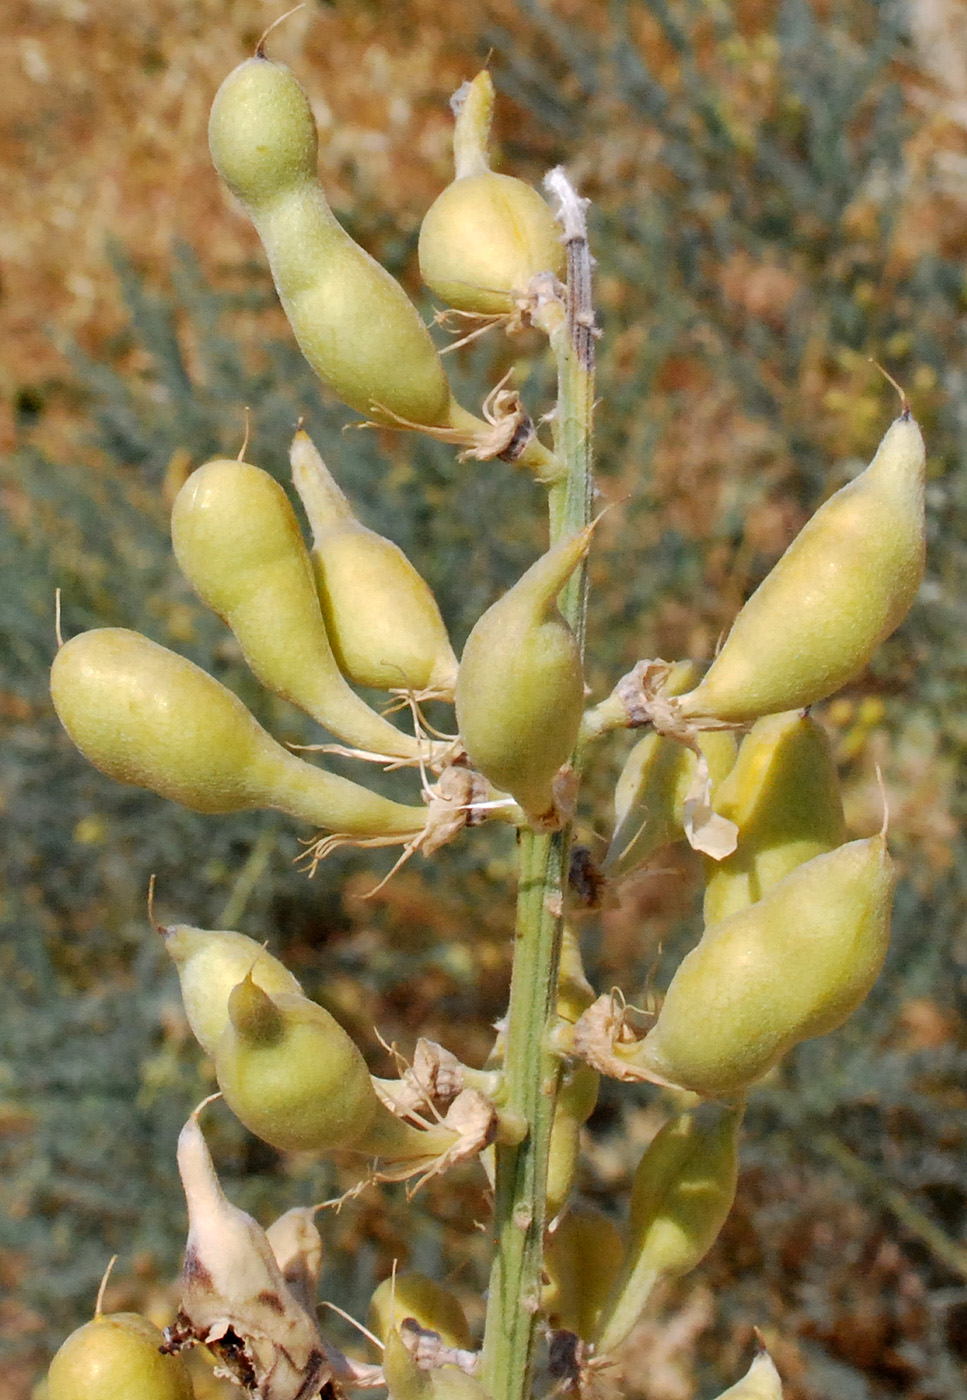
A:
[532,1068]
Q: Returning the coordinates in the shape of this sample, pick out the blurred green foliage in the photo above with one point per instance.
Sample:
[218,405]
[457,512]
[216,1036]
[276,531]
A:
[712,151]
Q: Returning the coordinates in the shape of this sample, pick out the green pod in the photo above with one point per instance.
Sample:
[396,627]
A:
[355,325]
[683,1190]
[412,1294]
[405,1380]
[114,1356]
[576,1100]
[582,1260]
[146,716]
[238,543]
[520,686]
[486,236]
[844,584]
[794,965]
[760,1382]
[381,618]
[210,964]
[649,799]
[292,1075]
[783,794]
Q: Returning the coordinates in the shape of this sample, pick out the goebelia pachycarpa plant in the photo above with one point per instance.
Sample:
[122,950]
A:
[796,915]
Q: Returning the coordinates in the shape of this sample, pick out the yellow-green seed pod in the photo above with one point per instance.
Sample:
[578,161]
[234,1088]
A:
[582,1259]
[520,687]
[238,543]
[487,235]
[146,716]
[794,965]
[783,795]
[760,1382]
[683,1191]
[116,1356]
[382,620]
[405,1380]
[354,323]
[844,584]
[576,1100]
[211,963]
[649,799]
[292,1075]
[411,1294]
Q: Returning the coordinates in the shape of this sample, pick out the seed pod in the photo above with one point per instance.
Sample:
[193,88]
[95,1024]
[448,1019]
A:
[844,584]
[794,965]
[760,1382]
[239,545]
[146,716]
[576,1100]
[406,1380]
[293,1076]
[520,687]
[117,1355]
[234,1297]
[210,963]
[411,1294]
[783,794]
[649,799]
[486,236]
[354,323]
[582,1259]
[383,622]
[683,1191]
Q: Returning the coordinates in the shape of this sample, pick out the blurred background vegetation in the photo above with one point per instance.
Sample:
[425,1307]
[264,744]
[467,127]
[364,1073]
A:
[780,192]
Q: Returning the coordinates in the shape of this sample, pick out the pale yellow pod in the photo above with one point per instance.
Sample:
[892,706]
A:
[783,794]
[760,1382]
[794,965]
[383,621]
[238,543]
[520,687]
[116,1356]
[146,716]
[582,1260]
[210,964]
[844,584]
[354,323]
[412,1294]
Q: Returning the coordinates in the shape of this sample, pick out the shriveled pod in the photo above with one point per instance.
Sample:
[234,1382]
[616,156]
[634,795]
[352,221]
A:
[649,797]
[238,543]
[582,1259]
[760,1382]
[844,584]
[486,236]
[210,963]
[683,1190]
[433,1307]
[297,1245]
[520,687]
[234,1296]
[117,1355]
[383,622]
[783,794]
[146,716]
[794,965]
[292,1075]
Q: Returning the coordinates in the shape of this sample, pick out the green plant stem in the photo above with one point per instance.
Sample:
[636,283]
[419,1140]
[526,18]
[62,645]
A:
[531,1067]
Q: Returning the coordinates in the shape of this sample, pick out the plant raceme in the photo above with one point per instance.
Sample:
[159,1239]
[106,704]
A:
[796,914]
